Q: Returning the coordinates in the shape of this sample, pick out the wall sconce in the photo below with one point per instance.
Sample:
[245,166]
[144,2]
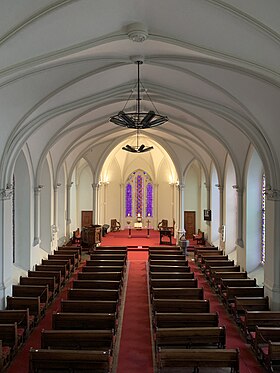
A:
[41,186]
[58,184]
[235,186]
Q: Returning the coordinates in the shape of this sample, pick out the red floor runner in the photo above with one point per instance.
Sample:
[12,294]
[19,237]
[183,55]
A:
[135,354]
[234,338]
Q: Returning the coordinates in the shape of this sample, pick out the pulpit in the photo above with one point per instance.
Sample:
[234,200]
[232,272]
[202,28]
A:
[91,235]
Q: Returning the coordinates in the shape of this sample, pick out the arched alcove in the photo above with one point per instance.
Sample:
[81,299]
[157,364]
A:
[230,204]
[46,208]
[215,207]
[22,213]
[253,212]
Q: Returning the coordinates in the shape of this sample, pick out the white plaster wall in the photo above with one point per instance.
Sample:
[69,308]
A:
[192,197]
[22,213]
[84,194]
[215,207]
[46,209]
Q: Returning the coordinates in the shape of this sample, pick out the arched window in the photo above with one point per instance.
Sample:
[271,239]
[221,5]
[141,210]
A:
[139,194]
[263,220]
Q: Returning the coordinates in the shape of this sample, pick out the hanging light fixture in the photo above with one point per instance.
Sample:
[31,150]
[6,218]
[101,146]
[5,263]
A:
[138,119]
[137,149]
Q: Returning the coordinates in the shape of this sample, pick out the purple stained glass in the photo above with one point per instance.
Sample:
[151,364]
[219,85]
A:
[149,200]
[128,199]
[139,195]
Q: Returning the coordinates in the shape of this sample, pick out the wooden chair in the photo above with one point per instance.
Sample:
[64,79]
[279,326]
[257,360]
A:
[163,224]
[115,225]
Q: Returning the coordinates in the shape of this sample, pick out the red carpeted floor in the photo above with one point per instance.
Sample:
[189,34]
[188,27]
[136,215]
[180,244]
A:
[135,353]
[135,345]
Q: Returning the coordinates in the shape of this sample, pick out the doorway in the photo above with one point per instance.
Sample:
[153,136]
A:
[86,218]
[189,223]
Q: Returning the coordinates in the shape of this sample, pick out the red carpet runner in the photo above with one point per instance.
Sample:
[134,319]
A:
[135,354]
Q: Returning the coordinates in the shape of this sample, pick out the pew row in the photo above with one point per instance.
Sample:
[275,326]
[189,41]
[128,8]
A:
[45,360]
[190,337]
[196,358]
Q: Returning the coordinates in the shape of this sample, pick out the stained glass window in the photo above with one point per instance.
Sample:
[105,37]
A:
[128,206]
[263,221]
[139,194]
[149,200]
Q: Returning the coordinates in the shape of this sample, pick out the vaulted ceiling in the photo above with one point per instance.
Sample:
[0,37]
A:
[211,66]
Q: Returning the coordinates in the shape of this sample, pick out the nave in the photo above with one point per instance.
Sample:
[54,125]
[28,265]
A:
[135,342]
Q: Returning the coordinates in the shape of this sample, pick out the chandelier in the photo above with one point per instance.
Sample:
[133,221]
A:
[138,120]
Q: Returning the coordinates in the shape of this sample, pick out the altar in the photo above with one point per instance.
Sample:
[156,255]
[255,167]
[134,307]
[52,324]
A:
[132,231]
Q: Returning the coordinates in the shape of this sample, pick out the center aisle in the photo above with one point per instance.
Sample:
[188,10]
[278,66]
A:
[135,352]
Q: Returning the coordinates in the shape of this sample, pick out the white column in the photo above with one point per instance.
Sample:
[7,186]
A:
[6,253]
[272,261]
[240,194]
[68,202]
[181,228]
[94,202]
[221,190]
[37,208]
[122,206]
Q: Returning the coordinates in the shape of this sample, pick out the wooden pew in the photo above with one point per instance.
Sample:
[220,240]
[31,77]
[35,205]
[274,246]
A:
[164,248]
[177,293]
[241,304]
[196,358]
[168,262]
[89,306]
[218,276]
[153,256]
[203,259]
[180,305]
[96,284]
[232,292]
[47,281]
[170,268]
[111,247]
[251,319]
[104,256]
[5,357]
[103,269]
[61,266]
[200,250]
[71,257]
[165,252]
[70,253]
[45,360]
[93,294]
[56,274]
[33,291]
[173,283]
[171,275]
[105,263]
[225,283]
[65,270]
[77,339]
[10,337]
[108,276]
[83,321]
[210,276]
[272,358]
[185,320]
[71,250]
[191,337]
[21,317]
[36,312]
[53,268]
[198,253]
[262,336]
[216,263]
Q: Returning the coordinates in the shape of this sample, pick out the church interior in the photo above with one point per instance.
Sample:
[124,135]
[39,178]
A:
[140,115]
